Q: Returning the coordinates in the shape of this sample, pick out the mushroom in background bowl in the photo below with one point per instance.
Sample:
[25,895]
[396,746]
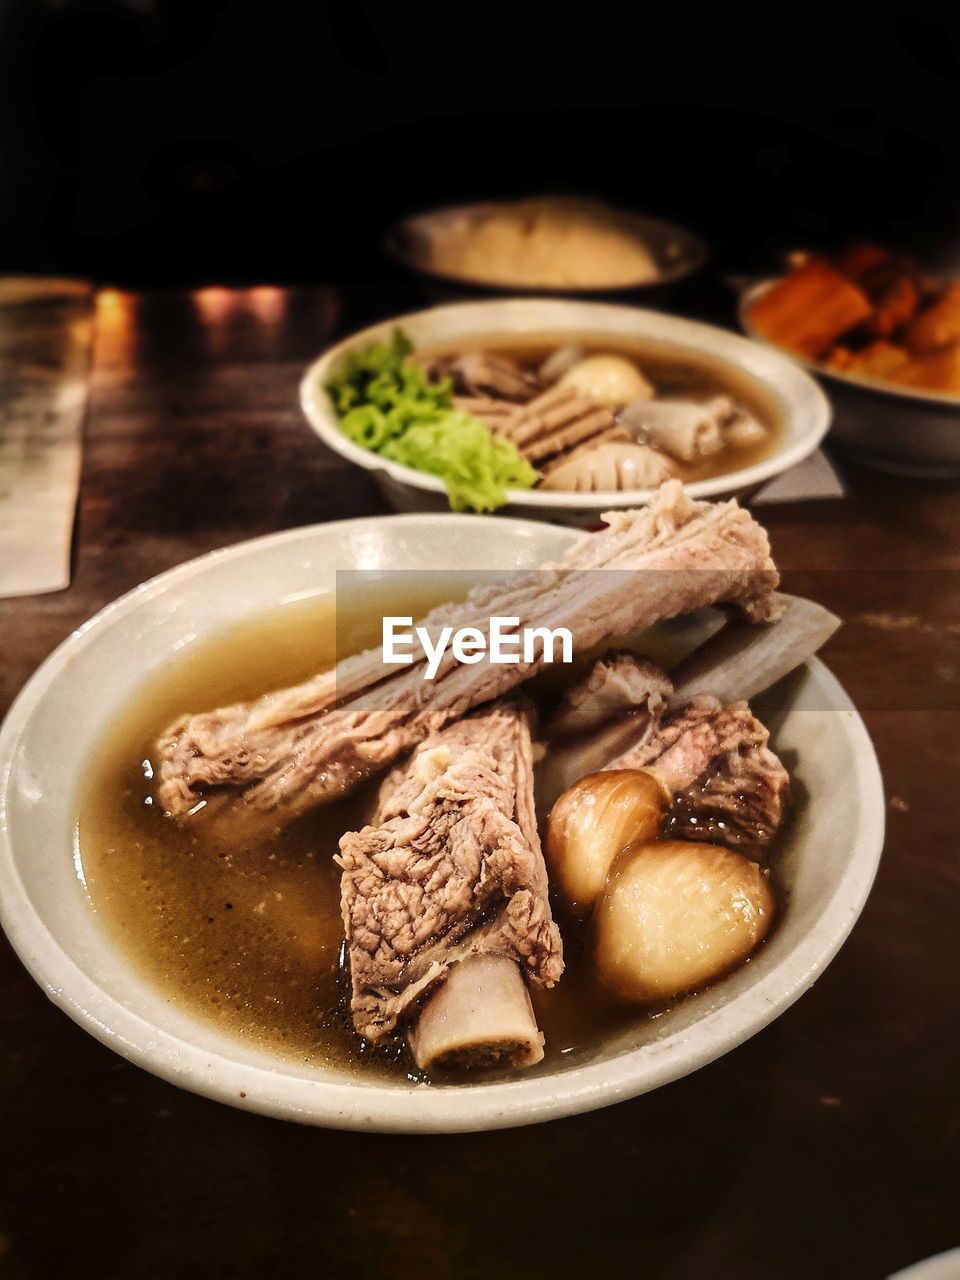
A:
[559,410]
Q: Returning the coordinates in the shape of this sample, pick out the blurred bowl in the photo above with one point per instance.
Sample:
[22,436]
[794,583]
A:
[799,404]
[903,430]
[678,252]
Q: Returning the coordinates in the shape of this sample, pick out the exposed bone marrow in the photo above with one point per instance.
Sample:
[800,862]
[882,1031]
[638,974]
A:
[450,870]
[480,1017]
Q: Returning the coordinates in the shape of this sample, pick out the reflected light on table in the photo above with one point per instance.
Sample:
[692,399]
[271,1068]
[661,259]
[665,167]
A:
[110,302]
[224,311]
[114,318]
[267,302]
[215,302]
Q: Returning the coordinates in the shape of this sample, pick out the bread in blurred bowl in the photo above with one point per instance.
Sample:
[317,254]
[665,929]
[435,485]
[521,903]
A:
[550,244]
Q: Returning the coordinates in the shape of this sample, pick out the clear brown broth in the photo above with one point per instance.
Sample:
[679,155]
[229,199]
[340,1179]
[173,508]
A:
[250,937]
[671,373]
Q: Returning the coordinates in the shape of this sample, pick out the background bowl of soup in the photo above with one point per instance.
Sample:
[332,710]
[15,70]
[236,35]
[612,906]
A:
[174,993]
[677,355]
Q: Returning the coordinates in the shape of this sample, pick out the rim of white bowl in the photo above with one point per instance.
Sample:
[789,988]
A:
[781,375]
[752,295]
[277,1091]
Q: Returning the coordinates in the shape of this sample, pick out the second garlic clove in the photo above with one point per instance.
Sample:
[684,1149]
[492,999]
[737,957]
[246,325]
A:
[590,824]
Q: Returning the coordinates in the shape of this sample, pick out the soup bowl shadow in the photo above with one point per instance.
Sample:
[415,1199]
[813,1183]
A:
[56,725]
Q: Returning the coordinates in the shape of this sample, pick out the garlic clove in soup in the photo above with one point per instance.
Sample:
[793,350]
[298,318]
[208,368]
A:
[608,380]
[745,432]
[675,915]
[590,824]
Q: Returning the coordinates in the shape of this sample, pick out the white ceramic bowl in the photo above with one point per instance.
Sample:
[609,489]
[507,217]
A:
[56,723]
[801,404]
[942,1266]
[902,430]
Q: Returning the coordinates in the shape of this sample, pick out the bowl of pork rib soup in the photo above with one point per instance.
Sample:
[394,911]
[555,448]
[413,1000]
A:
[559,410]
[436,823]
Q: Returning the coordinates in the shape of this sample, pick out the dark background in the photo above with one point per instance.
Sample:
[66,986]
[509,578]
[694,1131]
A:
[145,141]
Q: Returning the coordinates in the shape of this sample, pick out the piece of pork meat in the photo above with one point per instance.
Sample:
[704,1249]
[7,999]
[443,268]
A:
[740,801]
[742,789]
[450,869]
[725,783]
[290,751]
[481,373]
[620,681]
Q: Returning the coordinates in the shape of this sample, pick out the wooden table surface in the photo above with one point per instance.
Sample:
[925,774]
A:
[826,1146]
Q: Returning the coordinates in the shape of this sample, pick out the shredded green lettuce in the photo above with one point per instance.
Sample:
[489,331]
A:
[386,404]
